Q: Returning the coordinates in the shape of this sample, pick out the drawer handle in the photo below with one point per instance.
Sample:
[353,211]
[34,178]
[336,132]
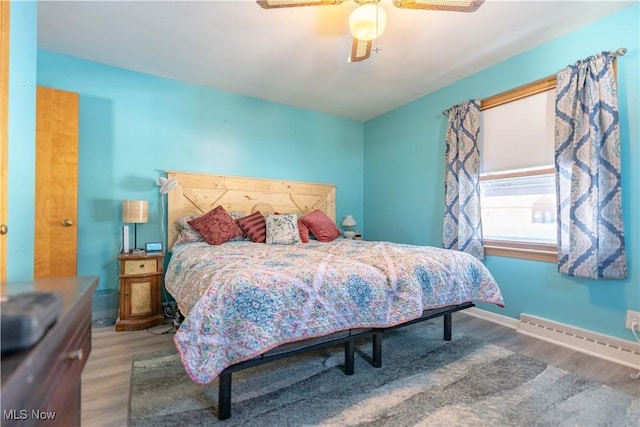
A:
[75,354]
[141,265]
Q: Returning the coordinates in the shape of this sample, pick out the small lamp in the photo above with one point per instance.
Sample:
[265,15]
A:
[348,222]
[136,212]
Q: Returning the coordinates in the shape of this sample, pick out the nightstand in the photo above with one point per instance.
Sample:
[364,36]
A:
[140,291]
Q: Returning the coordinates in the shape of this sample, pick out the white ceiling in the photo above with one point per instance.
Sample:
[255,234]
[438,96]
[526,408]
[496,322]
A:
[298,56]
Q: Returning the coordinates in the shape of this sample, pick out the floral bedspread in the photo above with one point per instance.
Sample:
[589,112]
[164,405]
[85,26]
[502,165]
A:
[241,299]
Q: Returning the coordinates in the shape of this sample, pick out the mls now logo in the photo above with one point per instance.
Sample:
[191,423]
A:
[23,414]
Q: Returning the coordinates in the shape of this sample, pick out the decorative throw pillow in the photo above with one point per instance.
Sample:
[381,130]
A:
[282,229]
[321,226]
[254,226]
[236,216]
[186,233]
[304,231]
[216,226]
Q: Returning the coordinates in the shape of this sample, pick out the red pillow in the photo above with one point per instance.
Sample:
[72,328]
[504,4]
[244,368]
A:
[321,226]
[216,226]
[304,231]
[254,226]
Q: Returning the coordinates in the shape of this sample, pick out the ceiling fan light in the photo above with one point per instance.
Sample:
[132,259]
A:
[367,22]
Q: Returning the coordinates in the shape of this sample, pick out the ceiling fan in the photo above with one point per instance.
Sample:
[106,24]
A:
[368,21]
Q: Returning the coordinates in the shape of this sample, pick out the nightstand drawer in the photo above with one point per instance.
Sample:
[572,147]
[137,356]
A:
[140,266]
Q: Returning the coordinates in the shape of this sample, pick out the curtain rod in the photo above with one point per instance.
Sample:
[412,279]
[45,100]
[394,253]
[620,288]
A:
[618,52]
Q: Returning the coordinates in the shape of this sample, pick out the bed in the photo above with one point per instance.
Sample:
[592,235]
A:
[248,303]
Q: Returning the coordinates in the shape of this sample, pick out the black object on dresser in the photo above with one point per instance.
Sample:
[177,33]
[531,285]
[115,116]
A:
[41,385]
[25,318]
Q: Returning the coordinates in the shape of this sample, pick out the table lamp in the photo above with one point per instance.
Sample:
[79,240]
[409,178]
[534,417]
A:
[348,223]
[136,212]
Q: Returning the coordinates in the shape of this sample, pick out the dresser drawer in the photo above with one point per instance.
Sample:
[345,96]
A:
[140,266]
[68,362]
[51,384]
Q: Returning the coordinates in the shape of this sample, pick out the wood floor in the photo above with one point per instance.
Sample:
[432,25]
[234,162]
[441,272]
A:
[106,378]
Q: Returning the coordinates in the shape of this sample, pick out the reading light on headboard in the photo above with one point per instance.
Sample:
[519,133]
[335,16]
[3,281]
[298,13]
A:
[166,185]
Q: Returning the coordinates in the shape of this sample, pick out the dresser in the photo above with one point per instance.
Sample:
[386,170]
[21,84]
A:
[41,385]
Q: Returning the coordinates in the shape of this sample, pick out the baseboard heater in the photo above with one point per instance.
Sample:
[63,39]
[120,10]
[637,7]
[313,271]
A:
[603,346]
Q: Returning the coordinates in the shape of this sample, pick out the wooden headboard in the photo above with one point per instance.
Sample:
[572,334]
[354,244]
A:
[197,194]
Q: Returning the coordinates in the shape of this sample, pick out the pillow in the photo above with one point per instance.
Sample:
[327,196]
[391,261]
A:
[321,226]
[282,229]
[216,226]
[254,226]
[236,216]
[304,231]
[186,233]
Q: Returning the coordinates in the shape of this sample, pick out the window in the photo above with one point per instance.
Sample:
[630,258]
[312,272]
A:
[517,177]
[520,206]
[517,180]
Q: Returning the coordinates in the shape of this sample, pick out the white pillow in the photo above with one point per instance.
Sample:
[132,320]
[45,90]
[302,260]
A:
[282,229]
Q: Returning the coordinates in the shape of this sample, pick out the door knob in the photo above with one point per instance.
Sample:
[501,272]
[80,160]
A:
[66,223]
[4,229]
[75,355]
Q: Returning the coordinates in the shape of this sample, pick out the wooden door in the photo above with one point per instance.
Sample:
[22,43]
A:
[4,134]
[56,207]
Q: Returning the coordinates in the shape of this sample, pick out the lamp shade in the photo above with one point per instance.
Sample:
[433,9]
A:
[348,221]
[367,22]
[136,211]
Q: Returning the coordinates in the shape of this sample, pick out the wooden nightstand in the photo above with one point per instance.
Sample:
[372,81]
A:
[140,291]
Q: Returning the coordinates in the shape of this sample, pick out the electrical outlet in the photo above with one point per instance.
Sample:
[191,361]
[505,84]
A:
[633,316]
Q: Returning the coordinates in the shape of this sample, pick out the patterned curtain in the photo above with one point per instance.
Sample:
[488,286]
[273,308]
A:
[587,158]
[462,225]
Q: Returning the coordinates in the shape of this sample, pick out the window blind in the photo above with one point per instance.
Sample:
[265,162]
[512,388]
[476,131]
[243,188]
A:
[518,134]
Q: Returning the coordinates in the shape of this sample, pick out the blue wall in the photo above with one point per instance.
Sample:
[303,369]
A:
[404,178]
[135,126]
[22,133]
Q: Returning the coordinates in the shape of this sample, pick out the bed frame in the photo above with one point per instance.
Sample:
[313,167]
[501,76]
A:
[199,193]
[348,339]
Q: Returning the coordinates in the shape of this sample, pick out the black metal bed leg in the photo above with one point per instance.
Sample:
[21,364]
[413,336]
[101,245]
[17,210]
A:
[447,327]
[349,357]
[377,349]
[224,396]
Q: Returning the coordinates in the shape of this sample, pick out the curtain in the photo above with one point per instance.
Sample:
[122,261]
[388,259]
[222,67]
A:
[462,226]
[587,160]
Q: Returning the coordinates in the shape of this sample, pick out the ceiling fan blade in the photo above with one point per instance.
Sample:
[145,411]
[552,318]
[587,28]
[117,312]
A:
[360,50]
[451,5]
[276,4]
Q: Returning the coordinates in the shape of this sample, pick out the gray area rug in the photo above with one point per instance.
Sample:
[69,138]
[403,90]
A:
[424,381]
